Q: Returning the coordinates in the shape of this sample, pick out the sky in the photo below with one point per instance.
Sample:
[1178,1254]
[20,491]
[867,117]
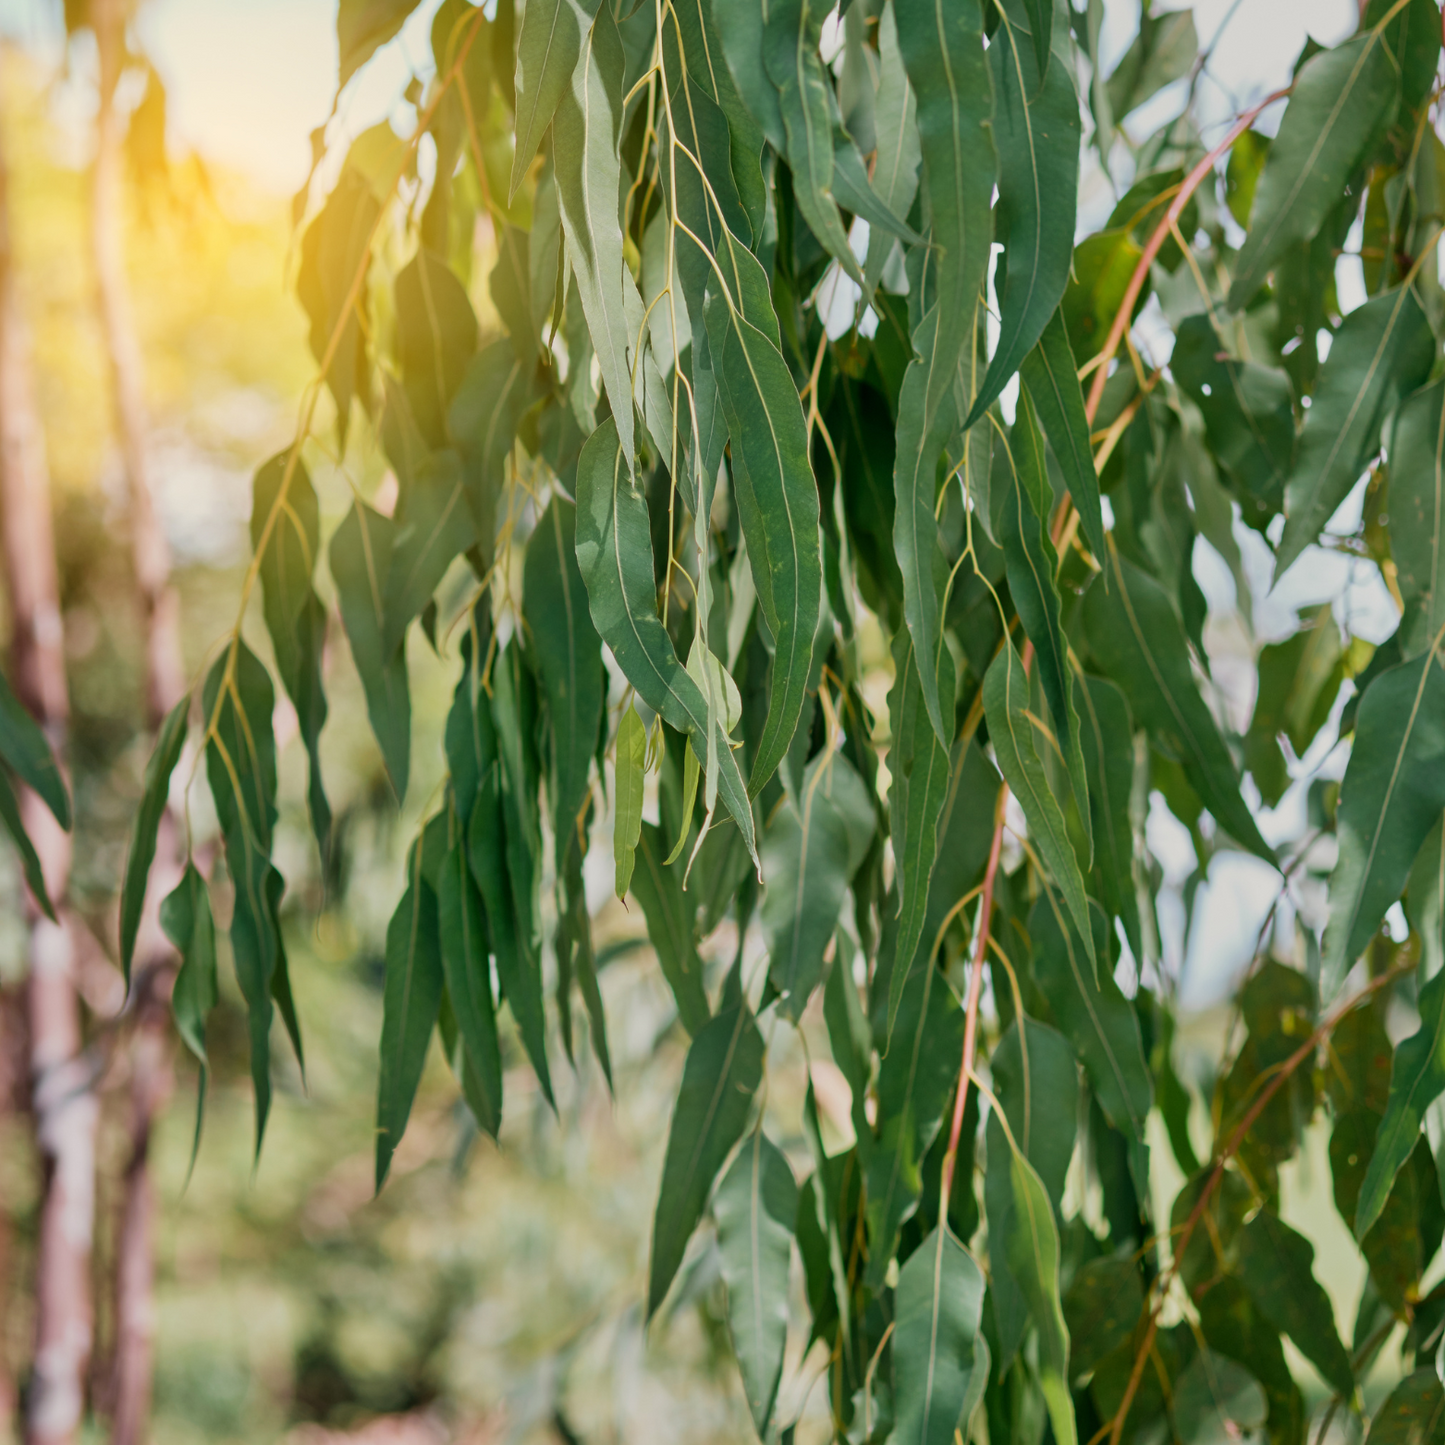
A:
[247,80]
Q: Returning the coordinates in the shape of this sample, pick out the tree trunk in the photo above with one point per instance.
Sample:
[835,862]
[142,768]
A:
[154,968]
[63,1101]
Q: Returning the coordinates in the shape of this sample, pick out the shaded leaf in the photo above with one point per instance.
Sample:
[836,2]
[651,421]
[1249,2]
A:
[26,752]
[1417,515]
[669,914]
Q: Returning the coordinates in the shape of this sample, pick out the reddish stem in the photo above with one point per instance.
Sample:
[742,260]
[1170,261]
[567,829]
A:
[1171,218]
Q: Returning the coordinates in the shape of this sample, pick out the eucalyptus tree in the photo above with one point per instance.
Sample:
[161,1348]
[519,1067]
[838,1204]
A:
[761,420]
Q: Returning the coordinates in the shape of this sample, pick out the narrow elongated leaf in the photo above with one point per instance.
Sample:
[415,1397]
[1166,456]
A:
[1275,1264]
[188,923]
[915,803]
[547,51]
[1138,640]
[589,178]
[295,615]
[778,504]
[627,805]
[146,826]
[1012,731]
[1343,100]
[756,1205]
[614,555]
[895,167]
[1106,733]
[742,28]
[462,935]
[943,53]
[1392,796]
[14,825]
[915,1079]
[669,913]
[241,768]
[485,411]
[1413,1413]
[569,654]
[360,563]
[724,1067]
[1052,380]
[364,25]
[436,338]
[1092,1012]
[410,1000]
[1031,565]
[1037,130]
[26,752]
[940,1357]
[1382,351]
[790,56]
[807,855]
[1417,515]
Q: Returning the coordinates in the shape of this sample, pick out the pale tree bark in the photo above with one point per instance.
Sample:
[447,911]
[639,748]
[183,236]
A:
[63,1101]
[165,683]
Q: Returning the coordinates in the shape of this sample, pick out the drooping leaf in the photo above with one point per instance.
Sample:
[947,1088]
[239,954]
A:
[627,808]
[547,51]
[1137,639]
[898,156]
[360,558]
[1382,351]
[27,753]
[146,827]
[362,26]
[756,1205]
[1013,733]
[669,914]
[489,403]
[462,935]
[614,555]
[435,341]
[1052,380]
[1161,52]
[1342,102]
[1276,1265]
[1037,130]
[1101,1308]
[724,1067]
[940,1356]
[14,825]
[188,923]
[1106,734]
[1392,796]
[1218,1400]
[1417,515]
[1413,1413]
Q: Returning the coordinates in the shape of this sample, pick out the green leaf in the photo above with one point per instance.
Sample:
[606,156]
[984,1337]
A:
[241,767]
[1106,735]
[756,1205]
[362,26]
[723,1069]
[669,915]
[569,655]
[1103,266]
[295,615]
[1343,101]
[547,51]
[940,1356]
[29,860]
[467,969]
[1382,351]
[1392,796]
[916,801]
[360,556]
[146,827]
[436,338]
[614,554]
[778,506]
[1052,380]
[1413,1413]
[791,29]
[916,1077]
[1417,515]
[741,28]
[1011,729]
[1104,1301]
[631,771]
[1216,1401]
[1248,416]
[943,53]
[1031,1246]
[1161,53]
[1031,566]
[434,526]
[809,859]
[410,1000]
[1299,680]
[1037,129]
[485,413]
[589,178]
[1275,1264]
[1136,637]
[188,923]
[26,752]
[898,156]
[1092,1012]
